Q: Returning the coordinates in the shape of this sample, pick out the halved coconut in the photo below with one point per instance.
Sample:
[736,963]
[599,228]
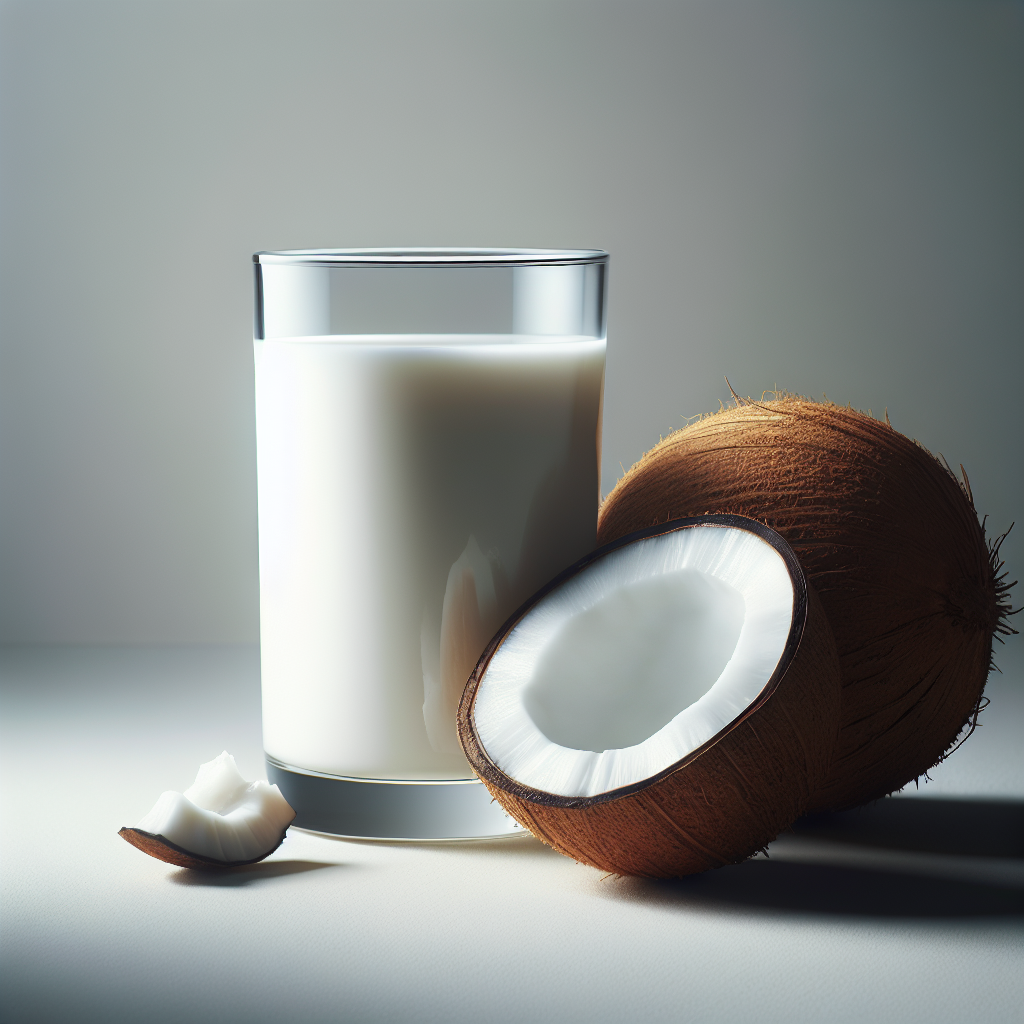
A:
[221,820]
[666,705]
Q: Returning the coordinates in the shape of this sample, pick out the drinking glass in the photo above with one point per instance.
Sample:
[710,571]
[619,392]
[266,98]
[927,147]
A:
[428,435]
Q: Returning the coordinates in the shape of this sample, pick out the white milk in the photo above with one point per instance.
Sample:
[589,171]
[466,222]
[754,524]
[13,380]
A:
[413,491]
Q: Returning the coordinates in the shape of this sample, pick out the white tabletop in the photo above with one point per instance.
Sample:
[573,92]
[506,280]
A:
[910,911]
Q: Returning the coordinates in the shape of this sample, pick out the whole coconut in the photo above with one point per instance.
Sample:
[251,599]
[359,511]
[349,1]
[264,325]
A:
[889,539]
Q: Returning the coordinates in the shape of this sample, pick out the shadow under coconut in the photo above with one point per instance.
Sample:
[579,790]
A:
[923,855]
[247,874]
[764,884]
[978,828]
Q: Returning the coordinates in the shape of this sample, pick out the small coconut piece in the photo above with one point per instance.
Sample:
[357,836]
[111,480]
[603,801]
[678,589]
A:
[890,540]
[666,705]
[221,820]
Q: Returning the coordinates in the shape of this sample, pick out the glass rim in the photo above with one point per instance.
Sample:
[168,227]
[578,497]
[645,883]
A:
[430,257]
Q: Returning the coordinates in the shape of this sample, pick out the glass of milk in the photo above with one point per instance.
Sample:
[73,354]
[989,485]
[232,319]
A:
[428,433]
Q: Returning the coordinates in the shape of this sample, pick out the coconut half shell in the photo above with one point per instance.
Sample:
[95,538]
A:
[712,805]
[892,544]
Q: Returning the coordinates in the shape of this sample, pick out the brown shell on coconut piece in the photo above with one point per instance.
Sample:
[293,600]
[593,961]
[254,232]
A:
[163,849]
[892,544]
[716,804]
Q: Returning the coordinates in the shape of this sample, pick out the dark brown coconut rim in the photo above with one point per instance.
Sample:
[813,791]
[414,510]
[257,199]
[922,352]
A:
[163,849]
[491,773]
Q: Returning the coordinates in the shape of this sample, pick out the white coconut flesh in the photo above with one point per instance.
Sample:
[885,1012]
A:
[636,661]
[221,816]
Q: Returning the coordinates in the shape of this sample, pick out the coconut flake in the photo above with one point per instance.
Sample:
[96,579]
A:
[221,816]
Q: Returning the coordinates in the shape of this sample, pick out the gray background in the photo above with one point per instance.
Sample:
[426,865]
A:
[820,196]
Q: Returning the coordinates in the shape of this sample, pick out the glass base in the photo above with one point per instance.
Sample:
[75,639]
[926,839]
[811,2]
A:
[410,810]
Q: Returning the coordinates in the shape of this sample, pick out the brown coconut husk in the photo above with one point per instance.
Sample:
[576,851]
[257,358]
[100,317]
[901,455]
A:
[170,853]
[888,538]
[720,803]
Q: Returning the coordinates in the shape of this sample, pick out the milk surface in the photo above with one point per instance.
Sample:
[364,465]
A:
[414,490]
